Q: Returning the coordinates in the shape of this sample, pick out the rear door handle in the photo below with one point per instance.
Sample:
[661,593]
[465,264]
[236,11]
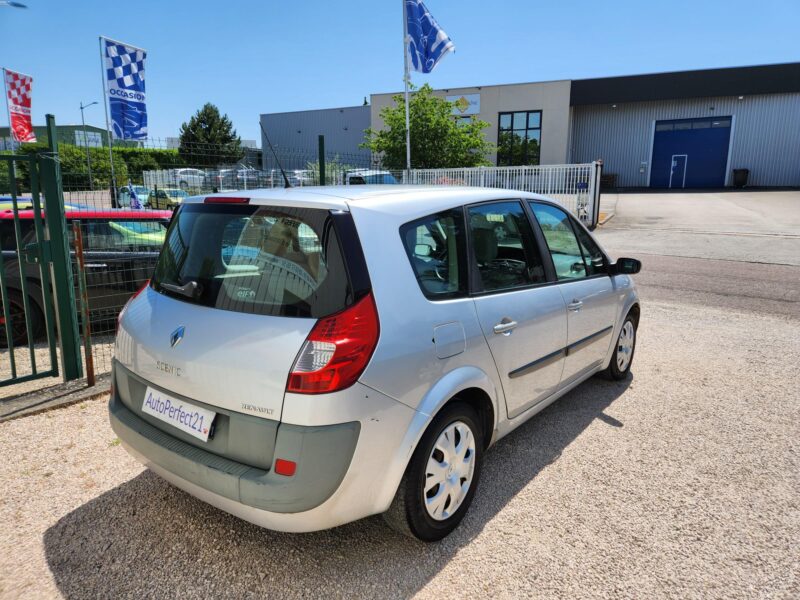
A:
[505,326]
[575,305]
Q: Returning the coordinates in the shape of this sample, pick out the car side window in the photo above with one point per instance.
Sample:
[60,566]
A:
[100,236]
[561,241]
[435,246]
[592,255]
[503,247]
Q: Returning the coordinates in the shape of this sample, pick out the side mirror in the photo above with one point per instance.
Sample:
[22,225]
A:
[423,250]
[626,266]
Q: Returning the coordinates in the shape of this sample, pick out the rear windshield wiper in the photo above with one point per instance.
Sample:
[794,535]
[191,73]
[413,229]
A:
[190,289]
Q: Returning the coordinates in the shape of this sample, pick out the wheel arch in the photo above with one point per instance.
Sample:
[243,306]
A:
[635,311]
[466,384]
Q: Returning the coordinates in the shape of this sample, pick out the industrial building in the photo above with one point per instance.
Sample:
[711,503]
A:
[681,130]
[295,135]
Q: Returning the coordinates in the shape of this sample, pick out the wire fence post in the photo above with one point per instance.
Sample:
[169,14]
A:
[86,324]
[321,160]
[58,246]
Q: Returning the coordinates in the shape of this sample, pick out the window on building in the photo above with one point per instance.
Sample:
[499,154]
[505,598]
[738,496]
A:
[519,138]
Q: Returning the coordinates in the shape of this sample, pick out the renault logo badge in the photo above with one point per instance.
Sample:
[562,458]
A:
[176,336]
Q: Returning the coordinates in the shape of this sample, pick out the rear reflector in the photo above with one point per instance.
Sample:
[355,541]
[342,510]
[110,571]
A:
[337,350]
[285,467]
[226,200]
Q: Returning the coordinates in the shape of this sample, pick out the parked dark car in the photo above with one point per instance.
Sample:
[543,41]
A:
[120,250]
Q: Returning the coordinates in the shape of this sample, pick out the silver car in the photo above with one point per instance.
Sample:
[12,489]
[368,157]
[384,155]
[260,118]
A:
[303,358]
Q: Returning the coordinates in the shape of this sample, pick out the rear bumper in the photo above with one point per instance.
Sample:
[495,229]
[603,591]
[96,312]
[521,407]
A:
[322,454]
[344,471]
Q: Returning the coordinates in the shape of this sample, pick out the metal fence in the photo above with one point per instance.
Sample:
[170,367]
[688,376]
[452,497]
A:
[575,187]
[114,244]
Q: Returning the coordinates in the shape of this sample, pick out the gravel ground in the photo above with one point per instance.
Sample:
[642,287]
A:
[102,350]
[683,481]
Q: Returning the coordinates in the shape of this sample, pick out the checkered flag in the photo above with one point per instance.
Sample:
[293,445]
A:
[124,72]
[18,96]
[125,66]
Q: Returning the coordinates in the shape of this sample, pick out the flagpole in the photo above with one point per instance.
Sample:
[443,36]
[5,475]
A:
[108,128]
[406,81]
[8,110]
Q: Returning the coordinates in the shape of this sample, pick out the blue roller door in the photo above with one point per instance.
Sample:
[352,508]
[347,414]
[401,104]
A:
[690,153]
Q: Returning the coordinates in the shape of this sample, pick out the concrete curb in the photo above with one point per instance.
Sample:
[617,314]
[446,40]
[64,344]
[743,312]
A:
[605,217]
[52,398]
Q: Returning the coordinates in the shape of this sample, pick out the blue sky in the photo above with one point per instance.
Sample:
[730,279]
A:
[251,57]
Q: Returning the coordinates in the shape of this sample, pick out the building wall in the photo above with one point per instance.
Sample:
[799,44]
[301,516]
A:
[295,135]
[765,136]
[551,97]
[66,134]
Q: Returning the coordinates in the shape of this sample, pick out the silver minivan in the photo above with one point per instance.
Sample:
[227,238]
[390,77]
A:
[306,357]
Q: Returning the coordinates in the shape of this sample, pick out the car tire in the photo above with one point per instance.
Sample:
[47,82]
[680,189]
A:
[415,511]
[622,358]
[17,308]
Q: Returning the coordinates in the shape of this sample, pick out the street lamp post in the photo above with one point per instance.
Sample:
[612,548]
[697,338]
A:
[86,142]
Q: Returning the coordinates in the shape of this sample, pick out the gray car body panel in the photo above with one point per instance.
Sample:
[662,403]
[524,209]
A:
[428,352]
[322,454]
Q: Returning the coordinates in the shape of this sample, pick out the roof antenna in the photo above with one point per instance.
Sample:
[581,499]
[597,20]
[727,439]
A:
[286,183]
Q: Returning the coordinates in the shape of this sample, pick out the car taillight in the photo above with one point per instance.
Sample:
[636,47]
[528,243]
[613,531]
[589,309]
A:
[337,350]
[122,312]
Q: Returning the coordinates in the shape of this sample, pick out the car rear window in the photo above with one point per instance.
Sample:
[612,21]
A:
[255,259]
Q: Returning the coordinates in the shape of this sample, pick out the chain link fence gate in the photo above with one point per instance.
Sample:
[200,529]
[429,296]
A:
[36,288]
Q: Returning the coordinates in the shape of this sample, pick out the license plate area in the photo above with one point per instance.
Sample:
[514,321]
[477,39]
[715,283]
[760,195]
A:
[184,416]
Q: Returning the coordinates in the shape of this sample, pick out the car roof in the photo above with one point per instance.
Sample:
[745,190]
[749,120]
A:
[400,200]
[108,213]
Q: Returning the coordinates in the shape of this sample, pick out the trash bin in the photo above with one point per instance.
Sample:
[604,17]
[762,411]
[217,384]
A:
[740,177]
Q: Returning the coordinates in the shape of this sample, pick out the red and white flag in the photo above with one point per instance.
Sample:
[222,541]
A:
[18,93]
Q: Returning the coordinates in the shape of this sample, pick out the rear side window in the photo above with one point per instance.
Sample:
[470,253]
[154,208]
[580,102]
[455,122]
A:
[435,246]
[255,259]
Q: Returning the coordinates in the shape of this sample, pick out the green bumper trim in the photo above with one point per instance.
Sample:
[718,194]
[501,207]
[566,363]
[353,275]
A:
[323,455]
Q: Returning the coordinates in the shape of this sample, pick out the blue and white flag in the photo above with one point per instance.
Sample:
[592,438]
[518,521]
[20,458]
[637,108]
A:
[135,201]
[427,42]
[124,68]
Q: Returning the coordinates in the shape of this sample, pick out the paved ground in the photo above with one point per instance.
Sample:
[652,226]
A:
[761,227]
[683,481]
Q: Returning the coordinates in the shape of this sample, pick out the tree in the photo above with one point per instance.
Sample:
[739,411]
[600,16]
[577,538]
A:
[74,170]
[438,139]
[209,139]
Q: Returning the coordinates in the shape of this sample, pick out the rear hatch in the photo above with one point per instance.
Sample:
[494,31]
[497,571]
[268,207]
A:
[236,291]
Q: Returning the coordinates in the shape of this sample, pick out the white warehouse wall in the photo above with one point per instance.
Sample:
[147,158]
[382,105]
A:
[766,135]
